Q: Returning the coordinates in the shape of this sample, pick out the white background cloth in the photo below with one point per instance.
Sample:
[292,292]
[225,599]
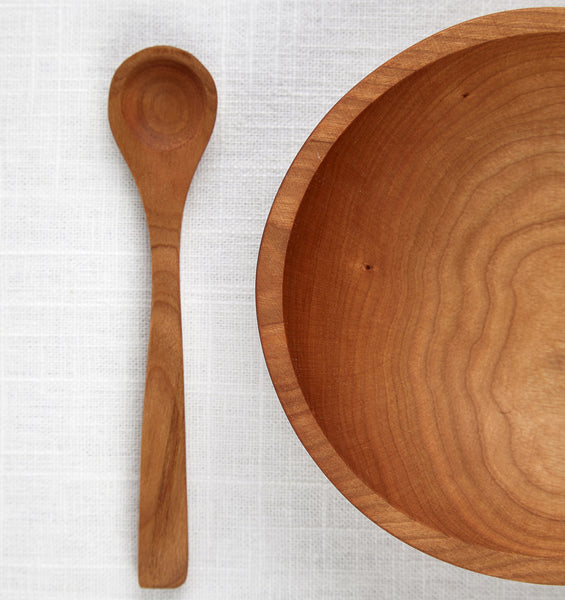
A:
[264,521]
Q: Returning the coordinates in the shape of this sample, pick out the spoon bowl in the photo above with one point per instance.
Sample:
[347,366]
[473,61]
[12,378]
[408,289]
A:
[162,108]
[163,103]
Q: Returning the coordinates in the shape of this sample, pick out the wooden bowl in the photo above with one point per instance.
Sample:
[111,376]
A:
[411,295]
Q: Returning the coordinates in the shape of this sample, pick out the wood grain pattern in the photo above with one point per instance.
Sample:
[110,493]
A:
[410,287]
[162,108]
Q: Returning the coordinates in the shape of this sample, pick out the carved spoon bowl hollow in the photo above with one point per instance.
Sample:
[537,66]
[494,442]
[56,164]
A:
[411,295]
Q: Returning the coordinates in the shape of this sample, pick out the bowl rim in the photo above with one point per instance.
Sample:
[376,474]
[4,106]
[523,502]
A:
[269,295]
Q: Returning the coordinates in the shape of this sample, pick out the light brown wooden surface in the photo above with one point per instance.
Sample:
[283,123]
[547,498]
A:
[411,294]
[162,108]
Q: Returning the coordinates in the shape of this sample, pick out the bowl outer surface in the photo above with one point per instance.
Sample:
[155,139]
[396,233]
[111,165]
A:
[440,480]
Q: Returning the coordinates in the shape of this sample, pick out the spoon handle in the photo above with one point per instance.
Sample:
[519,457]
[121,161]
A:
[163,532]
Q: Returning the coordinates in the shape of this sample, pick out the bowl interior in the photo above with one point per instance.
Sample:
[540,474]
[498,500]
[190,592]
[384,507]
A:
[424,288]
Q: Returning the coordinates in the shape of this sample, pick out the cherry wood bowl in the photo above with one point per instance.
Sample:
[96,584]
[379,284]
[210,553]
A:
[411,295]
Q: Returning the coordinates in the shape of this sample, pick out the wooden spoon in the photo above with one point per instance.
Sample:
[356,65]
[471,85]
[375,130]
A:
[162,108]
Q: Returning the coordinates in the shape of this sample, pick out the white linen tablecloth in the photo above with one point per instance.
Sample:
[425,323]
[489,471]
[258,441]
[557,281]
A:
[264,522]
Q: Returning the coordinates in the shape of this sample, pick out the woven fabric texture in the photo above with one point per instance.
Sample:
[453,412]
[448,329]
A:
[264,522]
